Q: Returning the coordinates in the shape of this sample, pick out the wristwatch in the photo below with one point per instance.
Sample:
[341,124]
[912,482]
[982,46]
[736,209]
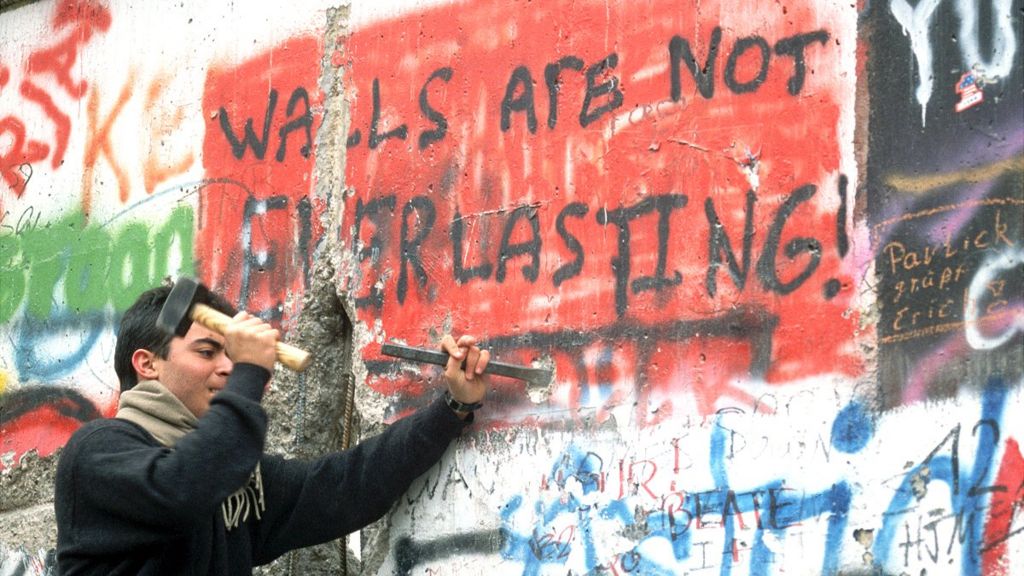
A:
[460,406]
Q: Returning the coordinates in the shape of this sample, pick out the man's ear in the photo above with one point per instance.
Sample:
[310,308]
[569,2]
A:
[144,365]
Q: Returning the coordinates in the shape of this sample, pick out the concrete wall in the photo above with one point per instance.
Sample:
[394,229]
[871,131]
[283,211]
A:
[773,253]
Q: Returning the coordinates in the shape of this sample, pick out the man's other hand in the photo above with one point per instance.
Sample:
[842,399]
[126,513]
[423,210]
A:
[251,340]
[465,370]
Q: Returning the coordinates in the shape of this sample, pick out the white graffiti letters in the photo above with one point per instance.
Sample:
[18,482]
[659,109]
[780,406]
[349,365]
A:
[916,22]
[986,285]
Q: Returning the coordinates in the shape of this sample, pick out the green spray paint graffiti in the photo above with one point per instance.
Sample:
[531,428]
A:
[86,267]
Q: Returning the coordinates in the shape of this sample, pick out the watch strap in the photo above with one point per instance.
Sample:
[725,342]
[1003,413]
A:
[460,406]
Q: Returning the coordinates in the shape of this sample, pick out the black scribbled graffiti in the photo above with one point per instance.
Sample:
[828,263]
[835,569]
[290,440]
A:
[65,401]
[409,553]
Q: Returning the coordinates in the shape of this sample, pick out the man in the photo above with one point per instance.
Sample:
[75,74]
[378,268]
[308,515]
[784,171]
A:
[178,482]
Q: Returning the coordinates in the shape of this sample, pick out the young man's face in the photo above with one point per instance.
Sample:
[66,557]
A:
[195,369]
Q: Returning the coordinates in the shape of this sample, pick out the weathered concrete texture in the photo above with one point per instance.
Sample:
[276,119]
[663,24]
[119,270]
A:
[32,527]
[312,413]
[26,504]
[28,483]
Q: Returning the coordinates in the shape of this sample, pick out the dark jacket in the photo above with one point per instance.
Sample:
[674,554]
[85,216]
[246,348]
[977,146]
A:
[127,505]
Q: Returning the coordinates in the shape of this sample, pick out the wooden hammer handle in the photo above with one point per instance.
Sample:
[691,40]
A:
[295,358]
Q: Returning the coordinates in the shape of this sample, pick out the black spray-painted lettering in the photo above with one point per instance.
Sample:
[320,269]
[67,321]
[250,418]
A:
[679,51]
[249,138]
[521,82]
[493,255]
[842,240]
[425,215]
[622,217]
[718,243]
[303,122]
[463,274]
[376,139]
[570,269]
[264,261]
[374,211]
[439,120]
[609,88]
[766,269]
[531,247]
[741,47]
[794,46]
[259,143]
[552,72]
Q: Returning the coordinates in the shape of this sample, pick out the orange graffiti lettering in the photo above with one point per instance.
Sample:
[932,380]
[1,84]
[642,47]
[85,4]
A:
[99,141]
[154,171]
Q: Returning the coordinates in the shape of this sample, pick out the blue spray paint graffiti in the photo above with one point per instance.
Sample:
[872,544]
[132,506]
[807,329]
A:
[969,491]
[581,475]
[853,428]
[67,281]
[536,550]
[835,502]
[31,350]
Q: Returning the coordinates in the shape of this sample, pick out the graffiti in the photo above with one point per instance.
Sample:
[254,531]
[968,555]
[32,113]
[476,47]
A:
[968,493]
[681,340]
[100,144]
[85,19]
[40,418]
[257,224]
[88,266]
[17,163]
[937,275]
[681,521]
[654,212]
[598,98]
[946,207]
[704,76]
[261,254]
[709,499]
[409,553]
[936,182]
[1001,39]
[1006,506]
[601,180]
[771,251]
[303,122]
[81,20]
[66,281]
[990,292]
[605,379]
[26,221]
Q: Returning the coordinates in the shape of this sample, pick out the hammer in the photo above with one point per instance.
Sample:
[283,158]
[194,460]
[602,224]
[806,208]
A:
[181,309]
[534,377]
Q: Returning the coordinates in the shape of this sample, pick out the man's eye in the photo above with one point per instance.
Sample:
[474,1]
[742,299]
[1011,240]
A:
[207,353]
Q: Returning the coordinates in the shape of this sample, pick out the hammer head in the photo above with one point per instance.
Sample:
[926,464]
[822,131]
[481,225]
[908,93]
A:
[175,316]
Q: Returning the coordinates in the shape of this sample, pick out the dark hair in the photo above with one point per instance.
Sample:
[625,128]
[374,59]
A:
[139,331]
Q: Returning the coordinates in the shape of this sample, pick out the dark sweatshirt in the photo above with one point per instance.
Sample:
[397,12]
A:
[126,504]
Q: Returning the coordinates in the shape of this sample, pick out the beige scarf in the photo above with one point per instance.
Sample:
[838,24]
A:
[151,405]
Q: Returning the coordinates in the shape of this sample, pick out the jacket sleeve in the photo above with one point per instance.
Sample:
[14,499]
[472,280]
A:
[117,479]
[317,501]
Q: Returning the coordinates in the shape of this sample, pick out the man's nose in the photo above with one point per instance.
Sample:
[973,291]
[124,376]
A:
[225,365]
